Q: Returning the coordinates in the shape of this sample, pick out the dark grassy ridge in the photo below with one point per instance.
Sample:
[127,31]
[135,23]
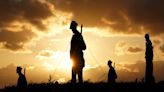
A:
[91,87]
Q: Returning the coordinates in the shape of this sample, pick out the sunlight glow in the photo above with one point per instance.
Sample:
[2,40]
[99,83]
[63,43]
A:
[60,60]
[67,62]
[48,66]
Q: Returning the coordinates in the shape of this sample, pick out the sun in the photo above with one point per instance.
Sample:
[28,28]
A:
[60,60]
[67,62]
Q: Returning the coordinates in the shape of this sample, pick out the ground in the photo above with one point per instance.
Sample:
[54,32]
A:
[91,87]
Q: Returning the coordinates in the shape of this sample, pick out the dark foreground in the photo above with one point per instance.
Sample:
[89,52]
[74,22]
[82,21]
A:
[91,87]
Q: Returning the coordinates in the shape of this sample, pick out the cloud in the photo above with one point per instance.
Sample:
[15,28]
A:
[52,55]
[45,54]
[34,74]
[162,48]
[22,21]
[135,49]
[128,16]
[8,75]
[18,20]
[15,40]
[121,44]
[28,11]
[120,48]
[156,41]
[123,48]
[126,73]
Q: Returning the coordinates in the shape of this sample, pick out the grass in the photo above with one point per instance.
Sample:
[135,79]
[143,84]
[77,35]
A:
[91,87]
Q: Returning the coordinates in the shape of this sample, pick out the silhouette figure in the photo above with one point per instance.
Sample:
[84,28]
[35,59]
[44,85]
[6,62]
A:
[22,83]
[76,53]
[112,76]
[149,78]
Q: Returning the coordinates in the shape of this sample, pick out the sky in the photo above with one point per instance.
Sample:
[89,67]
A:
[35,34]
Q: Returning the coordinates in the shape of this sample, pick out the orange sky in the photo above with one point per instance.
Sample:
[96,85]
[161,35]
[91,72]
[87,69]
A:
[35,34]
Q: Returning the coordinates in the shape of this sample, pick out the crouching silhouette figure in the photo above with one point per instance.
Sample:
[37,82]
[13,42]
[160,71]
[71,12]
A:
[112,76]
[22,83]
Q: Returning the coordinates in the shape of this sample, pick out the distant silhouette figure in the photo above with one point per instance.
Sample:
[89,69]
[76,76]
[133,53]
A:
[112,76]
[149,78]
[22,83]
[76,53]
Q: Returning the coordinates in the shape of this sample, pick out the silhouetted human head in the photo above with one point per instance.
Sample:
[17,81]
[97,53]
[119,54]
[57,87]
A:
[73,26]
[109,63]
[147,36]
[19,69]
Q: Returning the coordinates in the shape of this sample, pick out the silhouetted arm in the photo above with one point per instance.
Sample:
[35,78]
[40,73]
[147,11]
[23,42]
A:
[83,45]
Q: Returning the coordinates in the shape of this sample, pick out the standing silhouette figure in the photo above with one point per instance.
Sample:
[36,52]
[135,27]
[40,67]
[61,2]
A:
[112,76]
[76,53]
[149,78]
[22,83]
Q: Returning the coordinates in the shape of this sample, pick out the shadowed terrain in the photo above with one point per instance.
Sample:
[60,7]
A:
[91,87]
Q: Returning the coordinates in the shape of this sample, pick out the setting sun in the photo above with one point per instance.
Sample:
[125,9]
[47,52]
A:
[60,60]
[67,62]
[37,35]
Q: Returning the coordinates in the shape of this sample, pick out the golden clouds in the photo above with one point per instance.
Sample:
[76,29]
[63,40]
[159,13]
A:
[120,48]
[17,20]
[162,48]
[123,48]
[45,54]
[22,20]
[134,49]
[28,11]
[124,16]
[15,40]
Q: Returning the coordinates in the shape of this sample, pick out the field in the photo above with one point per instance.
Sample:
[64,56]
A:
[90,87]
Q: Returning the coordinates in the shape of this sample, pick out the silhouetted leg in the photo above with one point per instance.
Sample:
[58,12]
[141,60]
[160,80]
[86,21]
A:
[80,76]
[152,80]
[114,81]
[73,77]
[149,72]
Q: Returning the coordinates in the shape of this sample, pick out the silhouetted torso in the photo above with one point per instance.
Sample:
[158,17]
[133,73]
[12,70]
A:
[22,83]
[76,52]
[112,75]
[149,50]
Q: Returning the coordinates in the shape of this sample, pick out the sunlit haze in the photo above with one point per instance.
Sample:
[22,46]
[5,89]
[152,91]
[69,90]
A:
[35,34]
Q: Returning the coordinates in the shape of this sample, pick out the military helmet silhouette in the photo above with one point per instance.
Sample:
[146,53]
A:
[19,68]
[73,24]
[109,62]
[146,36]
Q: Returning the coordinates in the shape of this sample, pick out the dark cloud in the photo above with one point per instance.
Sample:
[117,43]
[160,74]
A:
[125,16]
[18,18]
[134,49]
[15,40]
[29,11]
